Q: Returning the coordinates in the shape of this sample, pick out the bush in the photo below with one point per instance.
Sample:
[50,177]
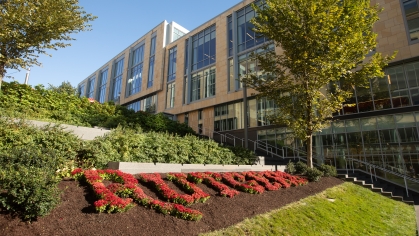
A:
[290,168]
[328,170]
[313,174]
[300,168]
[29,186]
[132,145]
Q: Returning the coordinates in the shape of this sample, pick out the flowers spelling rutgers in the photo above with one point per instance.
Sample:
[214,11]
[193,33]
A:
[121,195]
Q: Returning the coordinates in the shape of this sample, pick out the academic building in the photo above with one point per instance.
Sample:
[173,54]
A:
[193,77]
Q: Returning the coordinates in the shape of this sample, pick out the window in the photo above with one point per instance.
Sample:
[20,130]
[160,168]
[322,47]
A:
[203,84]
[247,65]
[151,65]
[246,38]
[135,106]
[102,86]
[411,11]
[203,48]
[171,75]
[170,95]
[186,57]
[186,121]
[230,35]
[90,94]
[119,65]
[135,81]
[81,90]
[177,34]
[199,114]
[150,104]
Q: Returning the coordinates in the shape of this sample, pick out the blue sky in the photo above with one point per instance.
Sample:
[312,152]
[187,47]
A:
[118,25]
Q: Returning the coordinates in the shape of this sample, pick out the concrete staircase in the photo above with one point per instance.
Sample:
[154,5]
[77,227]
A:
[383,187]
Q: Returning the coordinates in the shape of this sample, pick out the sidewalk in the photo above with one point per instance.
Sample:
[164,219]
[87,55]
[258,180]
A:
[84,133]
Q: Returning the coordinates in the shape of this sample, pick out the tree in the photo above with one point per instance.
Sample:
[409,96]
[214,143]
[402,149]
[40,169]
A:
[324,42]
[65,87]
[31,27]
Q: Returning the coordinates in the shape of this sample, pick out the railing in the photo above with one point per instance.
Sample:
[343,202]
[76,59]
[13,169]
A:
[236,141]
[371,168]
[273,151]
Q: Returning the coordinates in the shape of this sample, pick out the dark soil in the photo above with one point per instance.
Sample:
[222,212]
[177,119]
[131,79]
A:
[76,214]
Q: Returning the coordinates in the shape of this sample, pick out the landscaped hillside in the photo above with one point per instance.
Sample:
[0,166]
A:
[39,103]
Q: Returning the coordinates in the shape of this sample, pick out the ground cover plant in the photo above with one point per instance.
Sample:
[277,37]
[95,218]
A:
[346,209]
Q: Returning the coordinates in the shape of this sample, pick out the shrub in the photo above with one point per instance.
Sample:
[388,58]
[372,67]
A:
[290,168]
[313,174]
[133,145]
[328,170]
[300,168]
[28,182]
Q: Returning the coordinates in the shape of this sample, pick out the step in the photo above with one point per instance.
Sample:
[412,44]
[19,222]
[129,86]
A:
[377,190]
[412,203]
[369,186]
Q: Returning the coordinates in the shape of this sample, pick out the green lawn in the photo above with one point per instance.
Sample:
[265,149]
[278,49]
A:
[346,209]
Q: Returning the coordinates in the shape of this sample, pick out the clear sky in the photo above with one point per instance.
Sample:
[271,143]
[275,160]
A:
[119,24]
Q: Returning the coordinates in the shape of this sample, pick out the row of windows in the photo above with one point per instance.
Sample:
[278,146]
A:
[400,88]
[147,104]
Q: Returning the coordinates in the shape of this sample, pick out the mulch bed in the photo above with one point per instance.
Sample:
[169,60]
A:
[76,214]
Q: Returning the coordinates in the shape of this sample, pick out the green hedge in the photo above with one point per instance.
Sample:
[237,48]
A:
[133,145]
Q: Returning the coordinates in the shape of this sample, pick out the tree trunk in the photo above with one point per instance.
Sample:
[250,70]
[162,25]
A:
[309,144]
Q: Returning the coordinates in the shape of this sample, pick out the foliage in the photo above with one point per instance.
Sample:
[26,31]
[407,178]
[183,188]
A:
[243,155]
[19,134]
[290,168]
[28,184]
[346,209]
[60,105]
[65,87]
[32,27]
[300,168]
[313,174]
[125,144]
[322,42]
[328,170]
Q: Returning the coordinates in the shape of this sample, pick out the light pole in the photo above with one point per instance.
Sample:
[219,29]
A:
[27,76]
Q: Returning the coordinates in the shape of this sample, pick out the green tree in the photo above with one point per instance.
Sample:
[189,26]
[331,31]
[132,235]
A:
[65,87]
[323,42]
[31,27]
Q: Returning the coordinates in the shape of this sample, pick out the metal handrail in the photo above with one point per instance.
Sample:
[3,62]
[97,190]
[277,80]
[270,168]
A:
[370,165]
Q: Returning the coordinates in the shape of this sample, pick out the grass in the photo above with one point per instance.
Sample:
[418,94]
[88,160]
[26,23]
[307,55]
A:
[346,209]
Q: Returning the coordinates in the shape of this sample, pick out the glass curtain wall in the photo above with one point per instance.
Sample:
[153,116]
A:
[388,141]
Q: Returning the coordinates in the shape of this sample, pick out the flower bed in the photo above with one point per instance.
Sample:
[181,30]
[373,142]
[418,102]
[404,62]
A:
[109,201]
[181,179]
[208,179]
[120,195]
[251,186]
